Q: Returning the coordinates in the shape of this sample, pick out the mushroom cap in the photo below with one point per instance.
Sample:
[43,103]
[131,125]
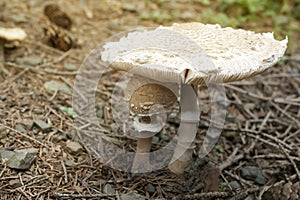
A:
[194,53]
[11,34]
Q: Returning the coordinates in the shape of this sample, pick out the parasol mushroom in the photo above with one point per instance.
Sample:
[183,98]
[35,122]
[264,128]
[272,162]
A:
[9,35]
[188,55]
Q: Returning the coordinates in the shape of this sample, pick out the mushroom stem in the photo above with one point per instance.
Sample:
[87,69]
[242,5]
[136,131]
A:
[146,128]
[141,159]
[1,54]
[187,130]
[144,144]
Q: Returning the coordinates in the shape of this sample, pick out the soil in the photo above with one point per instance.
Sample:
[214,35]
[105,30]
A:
[261,132]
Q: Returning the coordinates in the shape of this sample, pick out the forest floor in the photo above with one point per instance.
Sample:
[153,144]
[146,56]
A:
[256,157]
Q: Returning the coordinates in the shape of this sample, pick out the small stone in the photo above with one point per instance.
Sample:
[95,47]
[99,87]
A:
[132,196]
[59,137]
[53,86]
[70,67]
[254,174]
[131,7]
[29,61]
[69,163]
[235,185]
[150,188]
[20,18]
[42,125]
[155,140]
[114,24]
[11,134]
[73,147]
[15,183]
[187,15]
[20,128]
[3,97]
[22,159]
[6,154]
[107,189]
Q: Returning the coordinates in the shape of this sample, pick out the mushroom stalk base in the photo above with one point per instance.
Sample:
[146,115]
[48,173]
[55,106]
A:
[187,130]
[144,145]
[141,160]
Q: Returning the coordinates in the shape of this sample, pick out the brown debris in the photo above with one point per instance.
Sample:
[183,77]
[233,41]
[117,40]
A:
[58,38]
[57,16]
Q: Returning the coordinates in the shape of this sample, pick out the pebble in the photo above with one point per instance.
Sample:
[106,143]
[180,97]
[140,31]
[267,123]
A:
[254,174]
[73,147]
[3,97]
[20,128]
[22,159]
[45,128]
[235,185]
[108,189]
[114,24]
[70,67]
[20,18]
[59,137]
[69,163]
[15,183]
[132,196]
[29,61]
[150,188]
[6,154]
[53,86]
[131,7]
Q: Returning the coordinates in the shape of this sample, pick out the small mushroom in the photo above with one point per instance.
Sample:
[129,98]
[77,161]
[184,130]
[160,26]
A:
[9,35]
[148,117]
[188,55]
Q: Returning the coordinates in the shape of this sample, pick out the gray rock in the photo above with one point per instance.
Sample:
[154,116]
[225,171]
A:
[70,67]
[6,154]
[254,174]
[73,147]
[132,196]
[20,128]
[107,189]
[54,86]
[20,18]
[155,140]
[235,185]
[150,188]
[29,61]
[131,7]
[114,24]
[15,183]
[3,97]
[69,163]
[22,159]
[42,125]
[59,137]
